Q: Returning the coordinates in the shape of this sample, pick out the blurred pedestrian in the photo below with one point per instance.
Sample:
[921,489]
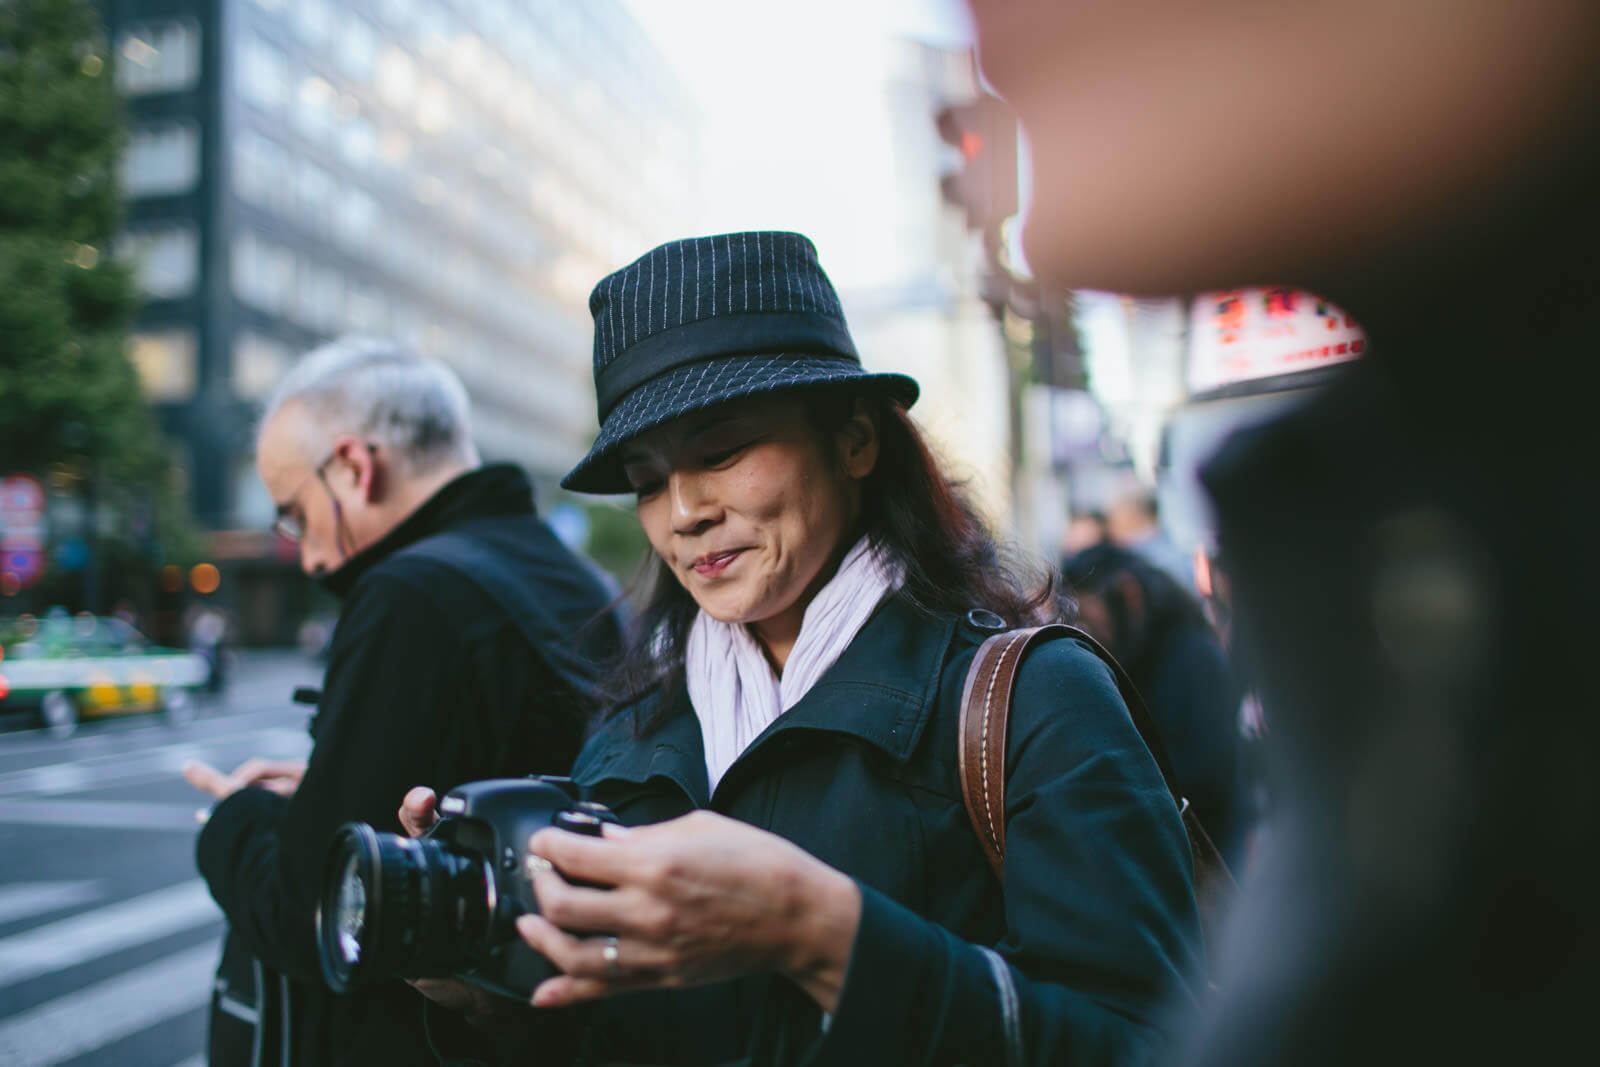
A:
[1133,520]
[208,633]
[463,650]
[1160,635]
[1084,529]
[1425,650]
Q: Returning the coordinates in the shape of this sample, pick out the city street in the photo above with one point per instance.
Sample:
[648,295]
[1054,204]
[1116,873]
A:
[108,939]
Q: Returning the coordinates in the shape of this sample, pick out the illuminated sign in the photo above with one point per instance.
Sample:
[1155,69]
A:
[1240,335]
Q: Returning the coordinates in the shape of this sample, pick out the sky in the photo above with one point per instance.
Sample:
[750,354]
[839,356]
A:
[795,132]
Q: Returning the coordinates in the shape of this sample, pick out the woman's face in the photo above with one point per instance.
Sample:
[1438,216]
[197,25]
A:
[749,505]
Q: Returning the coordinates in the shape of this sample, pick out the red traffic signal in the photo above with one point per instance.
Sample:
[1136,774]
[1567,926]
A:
[984,132]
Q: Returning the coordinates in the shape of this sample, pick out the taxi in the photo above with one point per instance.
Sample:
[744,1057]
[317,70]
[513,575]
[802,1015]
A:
[62,670]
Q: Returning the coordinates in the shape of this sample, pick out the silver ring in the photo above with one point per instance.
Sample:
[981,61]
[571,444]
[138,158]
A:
[608,952]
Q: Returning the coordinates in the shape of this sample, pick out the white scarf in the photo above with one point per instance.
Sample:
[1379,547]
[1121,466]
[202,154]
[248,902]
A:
[731,685]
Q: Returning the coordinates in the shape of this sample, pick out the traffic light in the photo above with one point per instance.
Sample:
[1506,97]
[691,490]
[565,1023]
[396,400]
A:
[984,183]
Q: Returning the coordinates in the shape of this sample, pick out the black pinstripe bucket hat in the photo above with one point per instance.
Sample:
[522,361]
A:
[700,322]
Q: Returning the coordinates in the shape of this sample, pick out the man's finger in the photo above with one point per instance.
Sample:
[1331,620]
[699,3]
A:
[255,769]
[207,778]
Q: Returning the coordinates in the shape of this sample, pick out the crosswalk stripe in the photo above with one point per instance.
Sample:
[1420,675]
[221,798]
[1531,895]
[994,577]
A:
[28,899]
[103,815]
[99,1014]
[105,930]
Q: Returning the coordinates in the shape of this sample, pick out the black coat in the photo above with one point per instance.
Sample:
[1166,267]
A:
[1185,680]
[454,659]
[1097,926]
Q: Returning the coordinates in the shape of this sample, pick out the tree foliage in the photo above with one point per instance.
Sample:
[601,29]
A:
[69,396]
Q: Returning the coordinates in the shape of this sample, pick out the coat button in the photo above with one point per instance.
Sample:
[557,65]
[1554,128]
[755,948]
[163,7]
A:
[984,619]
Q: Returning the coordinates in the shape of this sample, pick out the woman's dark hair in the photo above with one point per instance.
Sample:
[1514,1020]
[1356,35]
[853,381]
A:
[911,512]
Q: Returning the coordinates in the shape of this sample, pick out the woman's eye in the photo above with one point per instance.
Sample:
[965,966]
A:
[646,489]
[721,456]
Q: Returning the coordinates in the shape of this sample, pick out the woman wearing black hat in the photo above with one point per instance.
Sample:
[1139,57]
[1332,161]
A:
[783,746]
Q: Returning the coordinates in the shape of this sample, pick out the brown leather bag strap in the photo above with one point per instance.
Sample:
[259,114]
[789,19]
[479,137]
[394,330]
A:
[985,715]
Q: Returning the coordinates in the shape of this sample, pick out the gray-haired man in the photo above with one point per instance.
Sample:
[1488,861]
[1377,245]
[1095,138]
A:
[463,651]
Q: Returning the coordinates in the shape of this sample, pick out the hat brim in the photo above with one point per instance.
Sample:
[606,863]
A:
[702,385]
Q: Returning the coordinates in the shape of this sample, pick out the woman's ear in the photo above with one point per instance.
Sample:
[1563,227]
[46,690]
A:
[856,442]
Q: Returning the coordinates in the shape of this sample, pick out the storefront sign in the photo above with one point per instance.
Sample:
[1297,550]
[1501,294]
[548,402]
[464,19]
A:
[1242,335]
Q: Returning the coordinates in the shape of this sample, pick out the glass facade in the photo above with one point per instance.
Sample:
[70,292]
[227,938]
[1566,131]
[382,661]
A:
[455,173]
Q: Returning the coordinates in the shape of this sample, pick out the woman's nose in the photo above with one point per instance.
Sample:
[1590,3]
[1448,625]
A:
[693,507]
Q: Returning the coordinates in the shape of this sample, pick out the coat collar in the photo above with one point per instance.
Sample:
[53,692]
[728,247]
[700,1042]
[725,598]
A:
[484,492]
[881,691]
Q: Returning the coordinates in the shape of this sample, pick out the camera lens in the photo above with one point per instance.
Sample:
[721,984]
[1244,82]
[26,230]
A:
[393,907]
[350,914]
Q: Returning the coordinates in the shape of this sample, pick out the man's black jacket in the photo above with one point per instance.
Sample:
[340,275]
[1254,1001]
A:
[462,652]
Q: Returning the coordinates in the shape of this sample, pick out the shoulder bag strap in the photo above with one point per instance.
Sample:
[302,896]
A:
[985,715]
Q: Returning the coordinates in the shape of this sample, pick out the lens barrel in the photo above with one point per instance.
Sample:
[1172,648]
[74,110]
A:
[395,907]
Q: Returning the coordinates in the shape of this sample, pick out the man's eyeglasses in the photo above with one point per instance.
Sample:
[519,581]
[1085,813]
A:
[290,523]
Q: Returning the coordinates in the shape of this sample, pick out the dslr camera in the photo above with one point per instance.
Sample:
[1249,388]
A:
[445,903]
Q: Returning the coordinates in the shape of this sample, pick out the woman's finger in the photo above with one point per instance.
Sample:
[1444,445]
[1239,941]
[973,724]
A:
[588,956]
[608,861]
[582,909]
[564,990]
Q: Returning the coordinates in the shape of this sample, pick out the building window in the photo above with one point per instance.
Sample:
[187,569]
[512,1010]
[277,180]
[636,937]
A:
[399,13]
[314,19]
[315,191]
[319,298]
[358,47]
[165,258]
[263,273]
[158,57]
[166,361]
[161,160]
[397,77]
[258,364]
[253,506]
[263,74]
[365,311]
[262,173]
[358,141]
[314,109]
[356,219]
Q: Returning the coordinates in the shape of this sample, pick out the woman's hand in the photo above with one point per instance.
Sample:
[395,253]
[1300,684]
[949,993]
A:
[697,899]
[417,811]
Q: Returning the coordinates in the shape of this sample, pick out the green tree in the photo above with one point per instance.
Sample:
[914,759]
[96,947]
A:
[69,396]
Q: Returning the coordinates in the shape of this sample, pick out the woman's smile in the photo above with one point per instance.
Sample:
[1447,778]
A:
[713,564]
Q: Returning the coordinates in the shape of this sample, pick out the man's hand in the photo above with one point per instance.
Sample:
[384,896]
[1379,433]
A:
[279,775]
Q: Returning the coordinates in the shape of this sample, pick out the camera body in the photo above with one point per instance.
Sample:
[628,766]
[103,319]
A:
[446,903]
